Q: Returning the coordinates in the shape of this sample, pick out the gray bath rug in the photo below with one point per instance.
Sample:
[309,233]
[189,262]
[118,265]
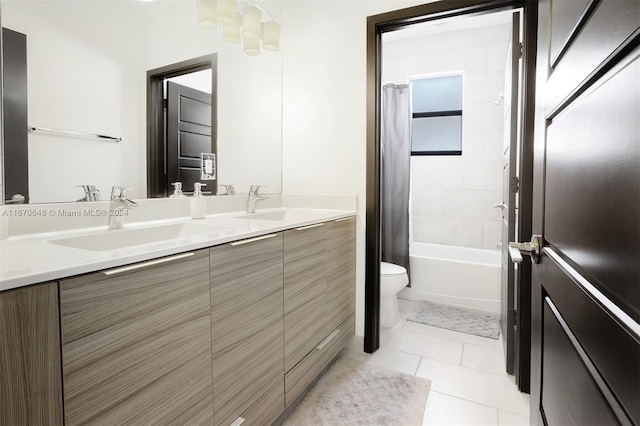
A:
[470,321]
[353,393]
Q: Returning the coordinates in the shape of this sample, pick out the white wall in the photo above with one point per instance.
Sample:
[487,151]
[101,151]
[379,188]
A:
[453,197]
[324,104]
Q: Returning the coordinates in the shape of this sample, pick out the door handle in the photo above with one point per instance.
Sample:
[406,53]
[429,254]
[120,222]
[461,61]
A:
[532,248]
[500,206]
[16,199]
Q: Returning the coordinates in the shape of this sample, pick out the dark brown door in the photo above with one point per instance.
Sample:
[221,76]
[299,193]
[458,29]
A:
[586,285]
[509,195]
[14,97]
[188,135]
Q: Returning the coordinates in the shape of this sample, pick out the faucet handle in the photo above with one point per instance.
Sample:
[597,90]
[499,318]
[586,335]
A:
[119,191]
[257,188]
[91,192]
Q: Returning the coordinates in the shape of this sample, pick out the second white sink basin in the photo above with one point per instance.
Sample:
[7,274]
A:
[121,238]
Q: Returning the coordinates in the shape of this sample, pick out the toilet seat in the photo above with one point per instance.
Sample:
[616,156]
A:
[390,269]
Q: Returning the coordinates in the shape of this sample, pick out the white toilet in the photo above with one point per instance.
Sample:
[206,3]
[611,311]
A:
[393,278]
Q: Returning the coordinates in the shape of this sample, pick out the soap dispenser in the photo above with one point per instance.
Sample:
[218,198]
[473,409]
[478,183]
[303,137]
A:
[177,190]
[198,202]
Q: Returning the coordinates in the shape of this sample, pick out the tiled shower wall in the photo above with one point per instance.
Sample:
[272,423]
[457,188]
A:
[453,197]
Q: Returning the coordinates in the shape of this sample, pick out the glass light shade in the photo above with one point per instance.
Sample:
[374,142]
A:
[251,22]
[271,36]
[251,46]
[227,11]
[206,15]
[231,32]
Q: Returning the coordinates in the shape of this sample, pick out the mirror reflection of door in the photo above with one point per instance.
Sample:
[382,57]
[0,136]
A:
[188,134]
[16,152]
[181,125]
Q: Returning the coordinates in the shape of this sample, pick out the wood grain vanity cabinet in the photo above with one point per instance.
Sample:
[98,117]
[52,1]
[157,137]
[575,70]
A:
[319,299]
[247,330]
[230,334]
[136,343]
[30,376]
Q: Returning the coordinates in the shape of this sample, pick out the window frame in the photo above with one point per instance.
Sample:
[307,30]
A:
[441,113]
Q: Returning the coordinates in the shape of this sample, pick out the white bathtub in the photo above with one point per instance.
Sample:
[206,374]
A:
[455,276]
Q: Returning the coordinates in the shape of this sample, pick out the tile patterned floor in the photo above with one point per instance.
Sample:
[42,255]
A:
[468,382]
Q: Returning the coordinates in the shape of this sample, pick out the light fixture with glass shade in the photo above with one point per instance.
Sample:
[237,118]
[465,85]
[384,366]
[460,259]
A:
[271,36]
[206,15]
[226,11]
[231,30]
[241,21]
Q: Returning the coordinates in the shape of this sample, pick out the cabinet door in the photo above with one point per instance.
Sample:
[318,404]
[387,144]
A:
[341,271]
[246,324]
[30,376]
[305,286]
[136,344]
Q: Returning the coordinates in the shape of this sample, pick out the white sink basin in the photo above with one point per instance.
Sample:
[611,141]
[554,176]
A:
[121,238]
[281,215]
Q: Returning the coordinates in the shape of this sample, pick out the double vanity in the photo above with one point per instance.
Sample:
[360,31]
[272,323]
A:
[217,321]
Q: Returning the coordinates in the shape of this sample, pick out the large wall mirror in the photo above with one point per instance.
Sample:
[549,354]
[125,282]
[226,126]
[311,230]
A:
[86,72]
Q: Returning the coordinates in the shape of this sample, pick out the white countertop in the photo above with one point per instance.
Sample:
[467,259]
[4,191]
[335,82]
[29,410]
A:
[32,259]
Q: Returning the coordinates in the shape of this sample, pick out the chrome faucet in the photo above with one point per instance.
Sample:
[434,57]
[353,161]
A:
[254,197]
[118,207]
[91,193]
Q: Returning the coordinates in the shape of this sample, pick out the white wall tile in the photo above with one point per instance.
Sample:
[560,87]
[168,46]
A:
[416,44]
[473,144]
[493,145]
[485,175]
[402,66]
[491,234]
[496,33]
[483,116]
[497,55]
[430,202]
[466,37]
[483,87]
[465,204]
[436,173]
[462,58]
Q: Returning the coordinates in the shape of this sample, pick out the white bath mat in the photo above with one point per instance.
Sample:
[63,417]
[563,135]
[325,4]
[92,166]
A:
[353,393]
[470,321]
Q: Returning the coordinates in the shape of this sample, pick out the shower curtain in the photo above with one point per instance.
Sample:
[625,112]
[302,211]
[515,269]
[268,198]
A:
[395,163]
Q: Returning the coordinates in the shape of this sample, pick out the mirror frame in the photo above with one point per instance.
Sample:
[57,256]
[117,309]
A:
[157,185]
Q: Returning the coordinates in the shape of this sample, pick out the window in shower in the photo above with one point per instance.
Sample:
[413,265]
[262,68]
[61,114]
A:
[436,115]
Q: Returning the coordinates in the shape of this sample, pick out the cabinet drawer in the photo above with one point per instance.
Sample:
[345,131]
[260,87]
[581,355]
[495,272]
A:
[246,324]
[341,271]
[137,345]
[305,288]
[303,374]
[265,410]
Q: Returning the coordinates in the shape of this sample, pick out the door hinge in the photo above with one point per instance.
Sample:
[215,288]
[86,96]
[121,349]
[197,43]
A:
[515,184]
[520,50]
[165,103]
[512,317]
